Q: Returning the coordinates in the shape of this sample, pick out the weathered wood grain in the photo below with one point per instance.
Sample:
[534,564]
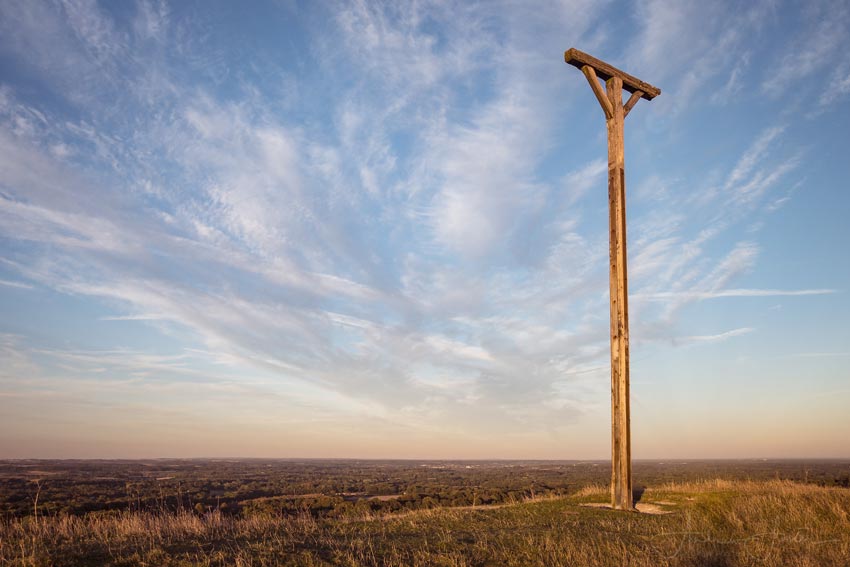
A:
[621,457]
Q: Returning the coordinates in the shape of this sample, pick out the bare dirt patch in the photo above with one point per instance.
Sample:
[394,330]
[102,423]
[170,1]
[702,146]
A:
[642,507]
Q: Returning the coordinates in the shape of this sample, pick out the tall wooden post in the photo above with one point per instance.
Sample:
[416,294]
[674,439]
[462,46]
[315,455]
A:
[611,101]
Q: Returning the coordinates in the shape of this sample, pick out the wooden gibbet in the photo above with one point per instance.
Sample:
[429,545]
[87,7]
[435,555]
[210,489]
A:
[611,100]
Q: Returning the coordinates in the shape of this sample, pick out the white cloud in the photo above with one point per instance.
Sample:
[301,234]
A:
[713,338]
[687,48]
[753,156]
[577,183]
[19,285]
[821,37]
[140,317]
[820,354]
[838,86]
[720,293]
[486,177]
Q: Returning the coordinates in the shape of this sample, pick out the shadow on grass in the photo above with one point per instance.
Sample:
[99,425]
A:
[711,558]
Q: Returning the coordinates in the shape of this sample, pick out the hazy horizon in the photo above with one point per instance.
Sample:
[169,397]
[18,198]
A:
[380,230]
[671,460]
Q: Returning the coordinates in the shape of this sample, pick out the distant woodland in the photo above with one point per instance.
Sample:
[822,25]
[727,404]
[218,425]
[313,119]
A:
[331,488]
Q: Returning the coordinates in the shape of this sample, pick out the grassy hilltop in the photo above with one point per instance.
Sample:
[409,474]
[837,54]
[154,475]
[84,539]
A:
[719,523]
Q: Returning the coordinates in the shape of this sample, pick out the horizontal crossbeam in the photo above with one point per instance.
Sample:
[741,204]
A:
[605,71]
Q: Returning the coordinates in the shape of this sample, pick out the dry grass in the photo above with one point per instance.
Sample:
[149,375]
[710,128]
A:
[593,490]
[714,523]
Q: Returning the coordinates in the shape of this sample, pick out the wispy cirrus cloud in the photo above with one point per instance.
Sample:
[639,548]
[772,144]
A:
[820,39]
[694,49]
[701,295]
[839,85]
[751,158]
[19,285]
[696,339]
[820,354]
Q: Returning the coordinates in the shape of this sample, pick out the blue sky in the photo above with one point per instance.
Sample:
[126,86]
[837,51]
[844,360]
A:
[380,229]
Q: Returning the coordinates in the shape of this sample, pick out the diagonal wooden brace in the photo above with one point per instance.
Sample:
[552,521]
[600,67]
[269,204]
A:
[597,90]
[631,102]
